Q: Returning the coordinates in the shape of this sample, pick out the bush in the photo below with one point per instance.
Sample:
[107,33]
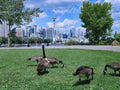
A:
[71,42]
[107,41]
[47,41]
[85,43]
[102,42]
[3,40]
[16,40]
[115,43]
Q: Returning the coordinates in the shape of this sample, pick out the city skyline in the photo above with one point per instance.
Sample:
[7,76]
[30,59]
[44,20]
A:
[67,13]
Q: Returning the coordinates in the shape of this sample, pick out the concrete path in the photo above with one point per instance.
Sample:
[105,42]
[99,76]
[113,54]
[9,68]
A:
[109,48]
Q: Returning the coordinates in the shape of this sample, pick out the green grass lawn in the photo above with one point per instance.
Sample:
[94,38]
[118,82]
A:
[16,73]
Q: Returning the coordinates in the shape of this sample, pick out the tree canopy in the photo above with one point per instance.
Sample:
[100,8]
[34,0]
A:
[15,13]
[97,20]
[117,36]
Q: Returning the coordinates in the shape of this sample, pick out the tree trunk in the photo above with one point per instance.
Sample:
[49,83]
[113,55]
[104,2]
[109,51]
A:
[9,37]
[8,40]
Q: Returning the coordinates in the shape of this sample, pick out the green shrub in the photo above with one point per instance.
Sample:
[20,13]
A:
[72,42]
[47,40]
[3,40]
[115,43]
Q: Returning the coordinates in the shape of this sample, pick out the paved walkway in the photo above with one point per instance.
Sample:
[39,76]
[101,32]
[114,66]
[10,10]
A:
[109,48]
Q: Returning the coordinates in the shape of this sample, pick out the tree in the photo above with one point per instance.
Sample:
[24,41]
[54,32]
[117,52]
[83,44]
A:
[15,13]
[97,21]
[13,32]
[117,36]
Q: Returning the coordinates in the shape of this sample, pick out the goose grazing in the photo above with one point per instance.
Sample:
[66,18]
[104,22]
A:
[114,66]
[86,70]
[52,60]
[35,58]
[42,65]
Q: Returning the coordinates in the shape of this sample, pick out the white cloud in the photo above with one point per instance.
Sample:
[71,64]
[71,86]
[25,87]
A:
[74,10]
[36,19]
[81,28]
[115,14]
[60,11]
[52,4]
[42,15]
[112,1]
[116,25]
[49,24]
[98,1]
[63,10]
[60,24]
[66,23]
[30,5]
[57,19]
[62,1]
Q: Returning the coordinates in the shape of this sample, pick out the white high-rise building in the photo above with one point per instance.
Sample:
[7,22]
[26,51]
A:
[4,29]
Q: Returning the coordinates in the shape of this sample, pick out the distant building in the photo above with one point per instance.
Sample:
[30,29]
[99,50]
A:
[49,33]
[72,32]
[4,29]
[31,31]
[19,32]
[24,33]
[42,32]
[65,36]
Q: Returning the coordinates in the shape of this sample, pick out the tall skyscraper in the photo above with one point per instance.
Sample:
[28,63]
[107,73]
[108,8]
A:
[49,33]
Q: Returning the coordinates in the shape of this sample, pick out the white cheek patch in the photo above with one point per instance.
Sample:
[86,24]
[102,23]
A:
[47,60]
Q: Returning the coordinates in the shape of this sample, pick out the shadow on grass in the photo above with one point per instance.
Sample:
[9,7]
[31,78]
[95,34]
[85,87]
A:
[83,82]
[112,74]
[53,67]
[42,73]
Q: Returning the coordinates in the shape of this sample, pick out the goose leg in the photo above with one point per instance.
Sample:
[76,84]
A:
[79,78]
[87,76]
[119,72]
[114,72]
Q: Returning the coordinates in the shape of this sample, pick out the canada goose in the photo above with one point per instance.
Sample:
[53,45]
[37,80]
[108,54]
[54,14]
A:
[114,66]
[42,65]
[86,70]
[52,60]
[36,58]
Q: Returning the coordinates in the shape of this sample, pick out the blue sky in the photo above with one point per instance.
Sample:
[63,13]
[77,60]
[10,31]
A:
[67,13]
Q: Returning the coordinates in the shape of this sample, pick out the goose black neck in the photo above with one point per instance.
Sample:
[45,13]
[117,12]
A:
[43,49]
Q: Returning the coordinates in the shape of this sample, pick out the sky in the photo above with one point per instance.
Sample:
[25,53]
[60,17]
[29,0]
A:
[67,13]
